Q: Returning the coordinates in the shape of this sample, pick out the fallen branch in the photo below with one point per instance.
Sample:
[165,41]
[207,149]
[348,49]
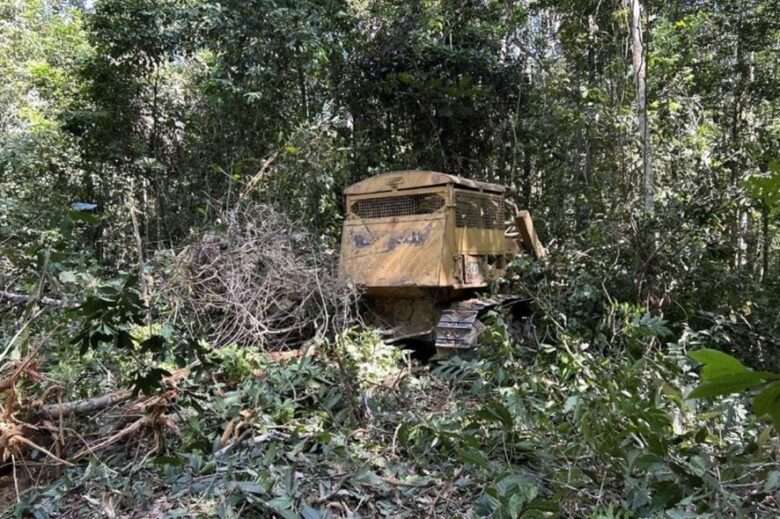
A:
[127,431]
[23,299]
[259,176]
[32,445]
[9,382]
[88,405]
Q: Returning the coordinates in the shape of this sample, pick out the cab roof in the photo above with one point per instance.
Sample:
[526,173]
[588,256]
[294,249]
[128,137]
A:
[411,179]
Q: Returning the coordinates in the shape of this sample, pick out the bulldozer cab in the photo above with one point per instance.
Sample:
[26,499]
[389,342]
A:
[424,230]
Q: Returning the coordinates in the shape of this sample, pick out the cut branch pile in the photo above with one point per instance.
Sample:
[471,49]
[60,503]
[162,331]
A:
[260,281]
[24,423]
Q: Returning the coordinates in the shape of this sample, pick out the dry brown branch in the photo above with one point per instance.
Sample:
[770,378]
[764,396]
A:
[153,408]
[88,405]
[13,437]
[22,439]
[259,176]
[260,281]
[130,430]
[19,368]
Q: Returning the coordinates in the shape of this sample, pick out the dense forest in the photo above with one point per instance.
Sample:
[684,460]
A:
[176,340]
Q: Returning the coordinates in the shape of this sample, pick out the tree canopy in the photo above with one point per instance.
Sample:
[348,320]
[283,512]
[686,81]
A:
[643,136]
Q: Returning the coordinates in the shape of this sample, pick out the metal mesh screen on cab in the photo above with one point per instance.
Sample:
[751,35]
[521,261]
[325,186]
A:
[397,206]
[479,211]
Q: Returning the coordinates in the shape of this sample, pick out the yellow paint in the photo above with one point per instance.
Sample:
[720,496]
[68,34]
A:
[402,180]
[480,241]
[426,250]
[393,252]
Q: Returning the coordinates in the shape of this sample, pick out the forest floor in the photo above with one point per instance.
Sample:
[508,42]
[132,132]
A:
[360,429]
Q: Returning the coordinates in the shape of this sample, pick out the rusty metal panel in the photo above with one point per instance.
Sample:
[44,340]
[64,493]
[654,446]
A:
[479,210]
[530,241]
[481,241]
[410,179]
[414,235]
[448,247]
[474,270]
[393,252]
[394,206]
[478,270]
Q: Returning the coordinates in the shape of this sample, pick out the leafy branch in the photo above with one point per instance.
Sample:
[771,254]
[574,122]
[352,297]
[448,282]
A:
[722,374]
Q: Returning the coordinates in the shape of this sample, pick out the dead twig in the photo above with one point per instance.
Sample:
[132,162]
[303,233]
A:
[260,281]
[130,430]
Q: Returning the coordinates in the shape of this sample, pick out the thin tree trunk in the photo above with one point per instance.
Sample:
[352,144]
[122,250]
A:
[302,87]
[766,242]
[737,228]
[527,176]
[640,73]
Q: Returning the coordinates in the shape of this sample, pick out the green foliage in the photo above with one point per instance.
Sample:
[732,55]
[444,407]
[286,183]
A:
[722,374]
[513,496]
[622,424]
[110,314]
[370,360]
[115,314]
[40,162]
[765,189]
[161,111]
[237,363]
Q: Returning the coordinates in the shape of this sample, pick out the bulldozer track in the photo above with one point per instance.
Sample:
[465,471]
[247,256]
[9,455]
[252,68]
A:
[459,326]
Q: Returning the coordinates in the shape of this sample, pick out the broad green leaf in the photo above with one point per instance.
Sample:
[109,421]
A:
[154,343]
[716,363]
[496,412]
[486,505]
[768,375]
[283,505]
[727,384]
[249,487]
[508,482]
[571,403]
[474,457]
[406,78]
[515,505]
[767,399]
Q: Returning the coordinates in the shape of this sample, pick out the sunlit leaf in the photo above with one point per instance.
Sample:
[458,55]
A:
[716,363]
[726,385]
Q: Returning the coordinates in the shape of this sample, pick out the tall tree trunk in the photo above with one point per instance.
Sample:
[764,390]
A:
[527,176]
[742,78]
[640,72]
[766,242]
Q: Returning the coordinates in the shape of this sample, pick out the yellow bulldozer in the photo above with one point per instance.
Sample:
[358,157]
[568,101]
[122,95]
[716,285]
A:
[424,247]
